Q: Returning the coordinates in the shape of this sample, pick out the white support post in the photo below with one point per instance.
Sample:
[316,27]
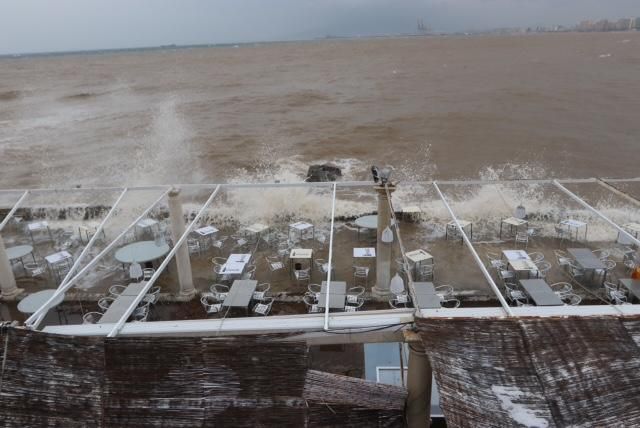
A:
[8,288]
[419,379]
[37,315]
[596,212]
[183,261]
[383,249]
[475,255]
[330,259]
[13,210]
[123,319]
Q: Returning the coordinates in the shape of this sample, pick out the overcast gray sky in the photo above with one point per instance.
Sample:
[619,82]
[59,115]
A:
[56,25]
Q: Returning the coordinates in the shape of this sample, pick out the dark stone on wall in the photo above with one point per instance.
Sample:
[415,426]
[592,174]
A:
[325,172]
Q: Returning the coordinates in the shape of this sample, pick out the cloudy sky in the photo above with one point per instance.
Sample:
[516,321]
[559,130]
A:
[48,25]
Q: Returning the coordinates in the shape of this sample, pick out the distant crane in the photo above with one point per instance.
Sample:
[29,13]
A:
[421,27]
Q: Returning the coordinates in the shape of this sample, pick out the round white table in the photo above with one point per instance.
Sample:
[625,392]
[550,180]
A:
[367,222]
[19,251]
[141,252]
[32,302]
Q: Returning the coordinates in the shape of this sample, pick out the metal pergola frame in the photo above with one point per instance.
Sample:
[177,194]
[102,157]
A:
[313,322]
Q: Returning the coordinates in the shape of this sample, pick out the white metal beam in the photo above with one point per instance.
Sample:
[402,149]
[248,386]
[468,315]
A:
[13,210]
[118,326]
[330,259]
[44,308]
[475,255]
[596,212]
[347,322]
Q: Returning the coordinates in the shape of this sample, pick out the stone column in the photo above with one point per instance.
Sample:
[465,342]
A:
[183,261]
[418,409]
[7,280]
[383,250]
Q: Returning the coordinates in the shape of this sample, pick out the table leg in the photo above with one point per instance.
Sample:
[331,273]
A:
[500,229]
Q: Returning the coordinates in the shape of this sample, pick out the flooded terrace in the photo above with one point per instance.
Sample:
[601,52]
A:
[114,257]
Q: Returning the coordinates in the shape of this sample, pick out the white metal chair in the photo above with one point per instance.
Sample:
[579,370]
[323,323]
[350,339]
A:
[210,303]
[264,307]
[522,237]
[250,272]
[105,302]
[312,304]
[562,258]
[425,272]
[354,306]
[602,254]
[314,290]
[261,291]
[220,291]
[562,233]
[507,276]
[536,257]
[147,273]
[571,299]
[194,246]
[614,294]
[444,291]
[399,302]
[361,273]
[302,275]
[495,261]
[152,295]
[140,314]
[354,295]
[450,303]
[91,317]
[275,264]
[543,268]
[116,289]
[561,288]
[321,266]
[514,295]
[35,269]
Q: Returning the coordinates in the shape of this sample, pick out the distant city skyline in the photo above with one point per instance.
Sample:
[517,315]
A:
[30,26]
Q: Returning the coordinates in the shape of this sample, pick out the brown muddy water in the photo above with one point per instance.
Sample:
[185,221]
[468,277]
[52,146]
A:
[447,107]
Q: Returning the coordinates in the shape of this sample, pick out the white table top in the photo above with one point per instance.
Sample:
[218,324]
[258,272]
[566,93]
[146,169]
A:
[418,255]
[240,294]
[515,255]
[38,225]
[573,223]
[337,295]
[134,288]
[463,223]
[57,257]
[512,221]
[206,230]
[19,251]
[117,308]
[523,265]
[411,209]
[233,268]
[239,258]
[146,222]
[364,252]
[633,227]
[141,252]
[301,225]
[301,253]
[256,228]
[34,301]
[367,222]
[540,292]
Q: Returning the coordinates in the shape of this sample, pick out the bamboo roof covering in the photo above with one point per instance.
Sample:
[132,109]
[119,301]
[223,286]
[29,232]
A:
[561,372]
[51,380]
